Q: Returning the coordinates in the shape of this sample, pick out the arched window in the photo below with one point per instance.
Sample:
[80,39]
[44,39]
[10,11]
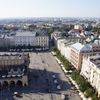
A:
[12,83]
[5,84]
[19,83]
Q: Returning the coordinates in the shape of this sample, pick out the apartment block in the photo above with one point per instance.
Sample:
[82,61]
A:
[79,50]
[25,38]
[91,71]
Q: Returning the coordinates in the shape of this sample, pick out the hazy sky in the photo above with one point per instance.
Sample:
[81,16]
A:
[49,8]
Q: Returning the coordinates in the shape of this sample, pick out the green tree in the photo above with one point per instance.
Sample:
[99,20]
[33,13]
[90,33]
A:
[74,75]
[89,92]
[94,97]
[96,29]
[89,28]
[83,85]
[50,30]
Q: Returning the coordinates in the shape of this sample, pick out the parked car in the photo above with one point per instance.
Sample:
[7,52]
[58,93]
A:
[58,87]
[54,76]
[17,95]
[62,97]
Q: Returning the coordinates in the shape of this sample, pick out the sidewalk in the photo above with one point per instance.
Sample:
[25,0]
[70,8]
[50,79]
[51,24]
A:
[72,81]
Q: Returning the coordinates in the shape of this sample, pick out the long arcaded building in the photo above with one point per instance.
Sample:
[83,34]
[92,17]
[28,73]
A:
[13,70]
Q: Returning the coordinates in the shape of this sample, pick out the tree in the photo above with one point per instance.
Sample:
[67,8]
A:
[94,97]
[83,85]
[54,49]
[96,29]
[50,30]
[79,79]
[74,75]
[89,28]
[89,92]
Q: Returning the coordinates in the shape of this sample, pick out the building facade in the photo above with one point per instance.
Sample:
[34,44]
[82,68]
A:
[25,38]
[79,27]
[91,71]
[42,41]
[14,70]
[63,46]
[11,60]
[79,50]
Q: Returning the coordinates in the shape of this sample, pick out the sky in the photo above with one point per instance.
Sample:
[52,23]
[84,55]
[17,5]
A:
[49,8]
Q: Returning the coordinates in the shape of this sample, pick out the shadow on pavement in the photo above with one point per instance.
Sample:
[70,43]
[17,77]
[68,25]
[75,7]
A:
[40,81]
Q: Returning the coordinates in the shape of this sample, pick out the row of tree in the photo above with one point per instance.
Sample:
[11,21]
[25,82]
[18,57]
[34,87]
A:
[84,86]
[64,61]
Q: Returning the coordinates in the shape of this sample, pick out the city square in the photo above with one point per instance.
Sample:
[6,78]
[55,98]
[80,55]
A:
[46,81]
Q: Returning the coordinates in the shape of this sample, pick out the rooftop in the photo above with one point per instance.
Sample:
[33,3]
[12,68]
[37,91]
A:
[12,53]
[25,33]
[5,57]
[61,40]
[95,60]
[8,55]
[13,72]
[80,47]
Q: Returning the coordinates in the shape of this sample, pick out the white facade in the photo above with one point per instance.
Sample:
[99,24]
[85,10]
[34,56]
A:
[42,41]
[67,52]
[79,27]
[23,40]
[63,46]
[26,38]
[59,43]
[91,71]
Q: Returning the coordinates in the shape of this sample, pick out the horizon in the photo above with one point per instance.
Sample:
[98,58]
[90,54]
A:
[50,17]
[44,9]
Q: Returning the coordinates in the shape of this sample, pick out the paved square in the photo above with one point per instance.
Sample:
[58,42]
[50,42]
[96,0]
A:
[44,70]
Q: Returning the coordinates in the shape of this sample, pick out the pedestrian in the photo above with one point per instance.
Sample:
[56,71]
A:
[69,94]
